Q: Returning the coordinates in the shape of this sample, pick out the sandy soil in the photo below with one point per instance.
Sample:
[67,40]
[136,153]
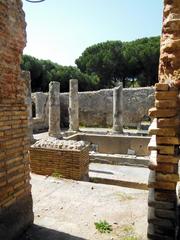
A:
[68,210]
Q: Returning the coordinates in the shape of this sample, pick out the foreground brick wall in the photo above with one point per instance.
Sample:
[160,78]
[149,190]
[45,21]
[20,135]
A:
[164,145]
[15,190]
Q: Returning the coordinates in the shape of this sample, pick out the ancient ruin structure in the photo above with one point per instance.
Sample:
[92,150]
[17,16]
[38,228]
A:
[27,78]
[66,158]
[164,145]
[40,99]
[136,103]
[118,109]
[73,105]
[15,190]
[54,109]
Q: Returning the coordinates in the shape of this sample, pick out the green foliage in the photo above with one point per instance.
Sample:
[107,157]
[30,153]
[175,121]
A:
[102,65]
[45,71]
[103,226]
[114,61]
[56,174]
[105,60]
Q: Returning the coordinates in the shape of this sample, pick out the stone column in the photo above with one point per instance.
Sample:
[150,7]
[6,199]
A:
[27,78]
[40,98]
[73,105]
[164,145]
[118,109]
[54,109]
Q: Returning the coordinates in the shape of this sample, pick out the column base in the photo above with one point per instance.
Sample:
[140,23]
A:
[55,135]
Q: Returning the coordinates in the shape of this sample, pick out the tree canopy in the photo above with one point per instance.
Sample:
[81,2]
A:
[115,61]
[102,65]
[45,71]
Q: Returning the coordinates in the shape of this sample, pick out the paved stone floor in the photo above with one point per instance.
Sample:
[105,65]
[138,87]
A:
[67,210]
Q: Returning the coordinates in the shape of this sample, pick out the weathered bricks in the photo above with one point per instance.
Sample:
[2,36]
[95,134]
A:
[164,175]
[15,189]
[68,163]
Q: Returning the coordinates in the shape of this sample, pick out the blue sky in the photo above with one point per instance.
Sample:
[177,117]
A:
[60,30]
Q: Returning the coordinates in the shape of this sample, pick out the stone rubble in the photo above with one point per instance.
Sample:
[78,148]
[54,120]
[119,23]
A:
[54,143]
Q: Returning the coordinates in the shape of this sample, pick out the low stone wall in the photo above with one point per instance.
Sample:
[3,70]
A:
[96,107]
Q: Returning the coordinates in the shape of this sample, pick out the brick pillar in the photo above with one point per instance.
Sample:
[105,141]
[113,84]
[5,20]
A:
[73,105]
[118,109]
[15,190]
[164,144]
[54,109]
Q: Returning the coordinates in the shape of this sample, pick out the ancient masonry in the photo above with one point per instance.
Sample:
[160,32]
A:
[118,109]
[54,109]
[27,78]
[164,145]
[60,158]
[73,105]
[15,190]
[136,103]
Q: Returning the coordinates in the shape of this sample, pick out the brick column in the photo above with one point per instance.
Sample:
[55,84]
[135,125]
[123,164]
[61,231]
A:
[164,145]
[118,109]
[54,109]
[15,189]
[73,106]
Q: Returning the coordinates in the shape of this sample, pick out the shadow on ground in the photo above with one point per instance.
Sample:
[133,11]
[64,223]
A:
[36,232]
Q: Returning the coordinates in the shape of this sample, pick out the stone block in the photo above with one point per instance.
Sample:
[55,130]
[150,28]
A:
[161,86]
[163,149]
[166,233]
[155,130]
[169,178]
[168,159]
[159,204]
[166,104]
[162,113]
[166,95]
[152,218]
[165,168]
[167,140]
[168,122]
[166,195]
[163,213]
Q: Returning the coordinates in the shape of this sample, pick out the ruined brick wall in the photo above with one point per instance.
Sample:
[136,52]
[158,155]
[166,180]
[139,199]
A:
[165,155]
[15,190]
[169,68]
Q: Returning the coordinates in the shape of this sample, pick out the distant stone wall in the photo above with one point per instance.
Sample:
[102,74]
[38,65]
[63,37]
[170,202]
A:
[15,189]
[96,107]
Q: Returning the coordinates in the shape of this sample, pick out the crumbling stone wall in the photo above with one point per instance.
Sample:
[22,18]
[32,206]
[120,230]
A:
[136,102]
[15,190]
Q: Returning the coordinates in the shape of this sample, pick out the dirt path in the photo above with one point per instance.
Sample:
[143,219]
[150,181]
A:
[66,209]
